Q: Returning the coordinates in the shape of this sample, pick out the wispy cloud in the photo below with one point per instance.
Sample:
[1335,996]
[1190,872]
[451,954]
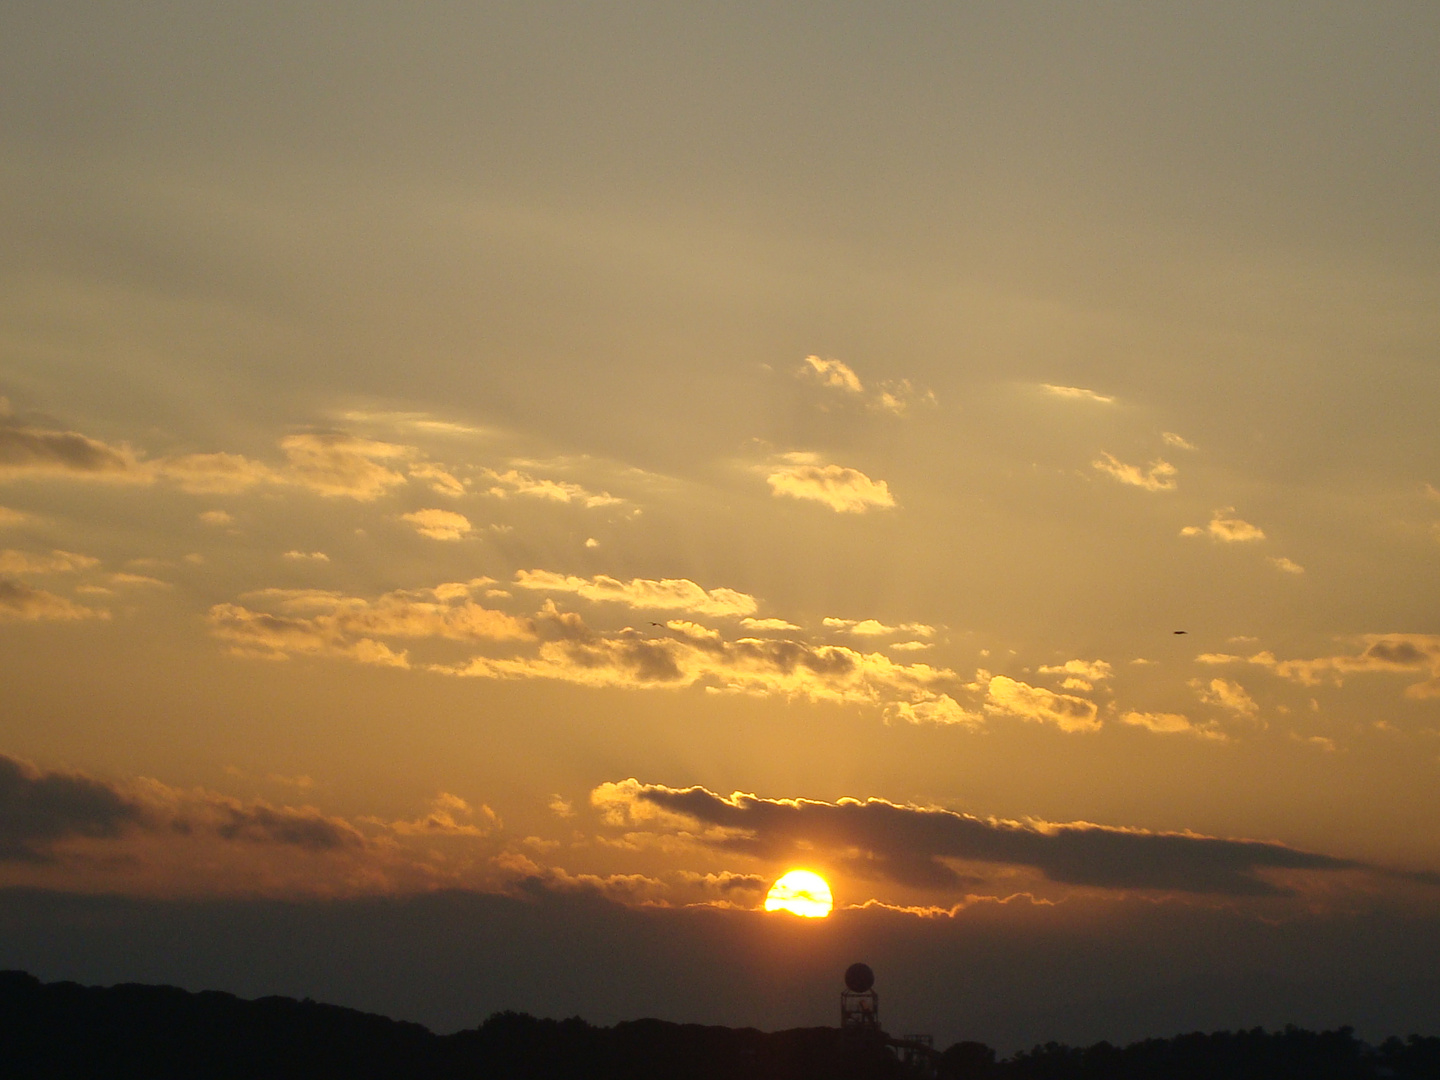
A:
[1289,566]
[21,603]
[56,562]
[1077,393]
[1080,674]
[1159,475]
[1167,723]
[888,396]
[1227,695]
[844,490]
[514,482]
[1226,529]
[1177,441]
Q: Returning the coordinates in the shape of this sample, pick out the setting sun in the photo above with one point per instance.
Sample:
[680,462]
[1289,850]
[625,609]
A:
[801,892]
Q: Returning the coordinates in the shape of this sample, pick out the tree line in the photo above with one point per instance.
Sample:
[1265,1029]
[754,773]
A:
[64,1031]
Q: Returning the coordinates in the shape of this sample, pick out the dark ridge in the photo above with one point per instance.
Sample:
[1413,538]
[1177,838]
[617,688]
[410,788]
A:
[64,1031]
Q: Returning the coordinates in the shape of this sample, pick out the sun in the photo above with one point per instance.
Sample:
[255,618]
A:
[801,892]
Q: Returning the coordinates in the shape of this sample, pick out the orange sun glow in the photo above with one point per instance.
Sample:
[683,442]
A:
[801,892]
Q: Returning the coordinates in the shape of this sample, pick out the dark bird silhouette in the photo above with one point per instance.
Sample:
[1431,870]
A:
[1180,631]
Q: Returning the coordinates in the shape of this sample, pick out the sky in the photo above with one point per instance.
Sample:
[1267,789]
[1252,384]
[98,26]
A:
[485,489]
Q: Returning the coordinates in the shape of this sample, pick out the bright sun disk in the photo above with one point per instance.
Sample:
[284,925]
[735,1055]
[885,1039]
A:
[801,892]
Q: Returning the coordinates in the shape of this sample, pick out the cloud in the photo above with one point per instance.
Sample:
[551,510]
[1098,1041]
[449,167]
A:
[306,556]
[890,396]
[1227,695]
[1159,476]
[348,627]
[28,451]
[57,562]
[513,482]
[449,815]
[831,373]
[1080,674]
[846,491]
[9,519]
[916,846]
[668,594]
[1038,705]
[1171,439]
[217,518]
[20,602]
[1227,530]
[215,474]
[910,646]
[693,656]
[1076,393]
[37,809]
[1383,654]
[1164,723]
[767,624]
[441,481]
[1287,565]
[875,628]
[439,524]
[342,466]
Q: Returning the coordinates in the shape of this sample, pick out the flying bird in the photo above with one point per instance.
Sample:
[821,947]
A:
[1180,631]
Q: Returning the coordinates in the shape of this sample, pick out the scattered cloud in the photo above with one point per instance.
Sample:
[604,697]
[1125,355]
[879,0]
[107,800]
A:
[1034,703]
[312,622]
[669,594]
[1383,653]
[215,474]
[306,556]
[831,373]
[1177,441]
[1164,723]
[1287,565]
[449,815]
[1227,530]
[1228,695]
[19,602]
[910,646]
[844,490]
[889,396]
[514,482]
[439,524]
[1159,475]
[1076,393]
[217,518]
[591,542]
[1080,674]
[343,466]
[920,846]
[57,562]
[9,519]
[875,628]
[441,481]
[767,624]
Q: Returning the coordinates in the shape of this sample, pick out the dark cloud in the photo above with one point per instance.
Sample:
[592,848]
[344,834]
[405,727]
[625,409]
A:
[303,827]
[31,449]
[37,809]
[909,844]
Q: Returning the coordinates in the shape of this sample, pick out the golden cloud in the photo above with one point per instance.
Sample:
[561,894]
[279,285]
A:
[1227,530]
[19,602]
[439,524]
[846,491]
[667,594]
[1038,705]
[1158,476]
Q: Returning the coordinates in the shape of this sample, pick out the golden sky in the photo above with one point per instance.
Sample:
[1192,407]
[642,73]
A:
[554,455]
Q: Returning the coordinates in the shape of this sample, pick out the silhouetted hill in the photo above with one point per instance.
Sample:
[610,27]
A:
[64,1031]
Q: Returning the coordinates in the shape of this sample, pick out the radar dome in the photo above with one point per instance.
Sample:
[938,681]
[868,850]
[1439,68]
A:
[859,978]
